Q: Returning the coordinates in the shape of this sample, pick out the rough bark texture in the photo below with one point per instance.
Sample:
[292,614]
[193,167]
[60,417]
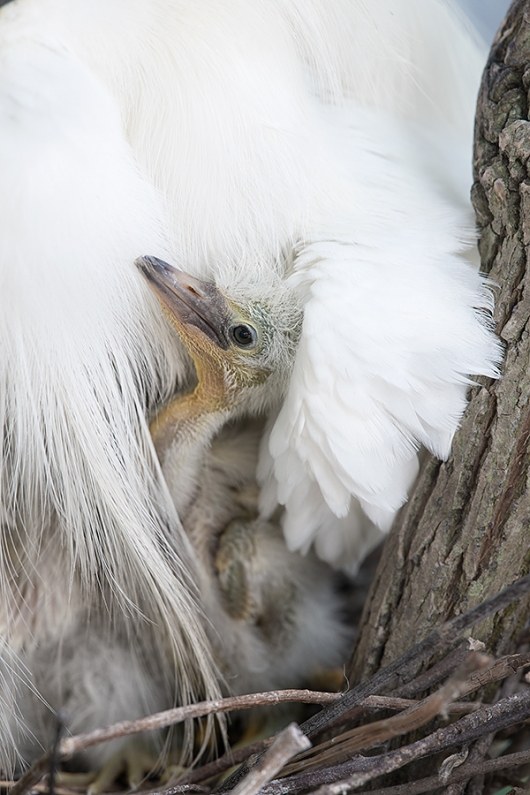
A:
[465,534]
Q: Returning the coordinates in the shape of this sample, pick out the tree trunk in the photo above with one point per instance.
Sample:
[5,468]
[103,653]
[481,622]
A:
[465,534]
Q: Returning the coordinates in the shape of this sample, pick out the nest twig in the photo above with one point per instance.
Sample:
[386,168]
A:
[334,766]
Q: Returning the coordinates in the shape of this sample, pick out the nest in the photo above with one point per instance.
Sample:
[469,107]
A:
[470,727]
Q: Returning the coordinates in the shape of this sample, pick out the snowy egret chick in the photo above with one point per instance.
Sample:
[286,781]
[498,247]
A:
[275,614]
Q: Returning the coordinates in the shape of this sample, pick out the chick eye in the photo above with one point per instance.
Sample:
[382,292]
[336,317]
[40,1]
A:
[243,335]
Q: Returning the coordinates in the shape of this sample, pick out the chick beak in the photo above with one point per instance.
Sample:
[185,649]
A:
[189,302]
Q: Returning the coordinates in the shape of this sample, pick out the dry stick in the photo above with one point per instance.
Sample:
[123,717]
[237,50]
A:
[437,672]
[423,682]
[505,666]
[232,758]
[42,787]
[462,774]
[410,719]
[177,789]
[160,720]
[55,752]
[71,745]
[507,712]
[453,761]
[500,669]
[441,638]
[348,742]
[32,775]
[478,752]
[238,756]
[221,765]
[286,745]
[389,702]
[490,718]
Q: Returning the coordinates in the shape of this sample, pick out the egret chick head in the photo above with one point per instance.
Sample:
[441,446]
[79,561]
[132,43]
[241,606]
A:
[243,346]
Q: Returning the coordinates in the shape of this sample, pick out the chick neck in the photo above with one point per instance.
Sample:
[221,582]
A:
[185,428]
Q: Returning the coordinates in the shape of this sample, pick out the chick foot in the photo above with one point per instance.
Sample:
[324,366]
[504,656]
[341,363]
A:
[253,577]
[132,763]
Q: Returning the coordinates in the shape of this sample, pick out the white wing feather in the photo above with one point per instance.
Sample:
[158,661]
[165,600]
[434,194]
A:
[394,324]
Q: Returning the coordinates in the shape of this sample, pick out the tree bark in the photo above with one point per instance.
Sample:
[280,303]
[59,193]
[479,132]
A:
[465,533]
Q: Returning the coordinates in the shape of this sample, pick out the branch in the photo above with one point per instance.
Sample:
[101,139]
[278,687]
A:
[32,775]
[232,758]
[287,744]
[422,683]
[445,635]
[368,735]
[221,765]
[463,773]
[442,638]
[159,720]
[437,641]
[490,718]
[437,672]
[345,744]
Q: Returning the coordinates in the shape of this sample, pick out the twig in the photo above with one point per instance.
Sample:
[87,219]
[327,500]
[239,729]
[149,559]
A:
[444,636]
[71,745]
[420,684]
[177,789]
[501,668]
[476,756]
[55,753]
[340,742]
[224,763]
[462,774]
[160,720]
[421,712]
[490,718]
[437,672]
[287,744]
[32,775]
[440,639]
[390,702]
[232,758]
[41,788]
[451,762]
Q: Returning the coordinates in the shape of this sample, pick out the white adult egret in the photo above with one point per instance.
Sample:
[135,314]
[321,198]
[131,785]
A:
[325,143]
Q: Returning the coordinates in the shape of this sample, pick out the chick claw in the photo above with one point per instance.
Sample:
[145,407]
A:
[133,761]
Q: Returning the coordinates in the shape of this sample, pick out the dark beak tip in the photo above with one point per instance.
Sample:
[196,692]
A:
[192,301]
[149,264]
[155,268]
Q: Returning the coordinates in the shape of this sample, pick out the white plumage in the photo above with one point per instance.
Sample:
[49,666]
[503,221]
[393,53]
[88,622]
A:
[325,142]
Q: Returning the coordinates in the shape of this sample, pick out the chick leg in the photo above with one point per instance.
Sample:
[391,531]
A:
[134,762]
